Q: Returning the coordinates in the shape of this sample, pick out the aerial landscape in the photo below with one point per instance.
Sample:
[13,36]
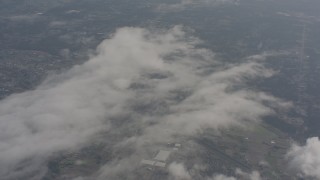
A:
[159,90]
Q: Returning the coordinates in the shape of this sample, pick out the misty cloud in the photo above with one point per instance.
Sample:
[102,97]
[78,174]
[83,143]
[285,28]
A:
[144,87]
[306,159]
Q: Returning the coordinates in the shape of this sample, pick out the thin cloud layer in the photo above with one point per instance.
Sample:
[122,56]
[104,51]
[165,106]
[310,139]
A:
[222,177]
[144,87]
[254,175]
[306,159]
[182,4]
[179,172]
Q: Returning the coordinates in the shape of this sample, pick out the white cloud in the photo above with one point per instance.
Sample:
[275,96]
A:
[178,171]
[66,110]
[306,159]
[161,80]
